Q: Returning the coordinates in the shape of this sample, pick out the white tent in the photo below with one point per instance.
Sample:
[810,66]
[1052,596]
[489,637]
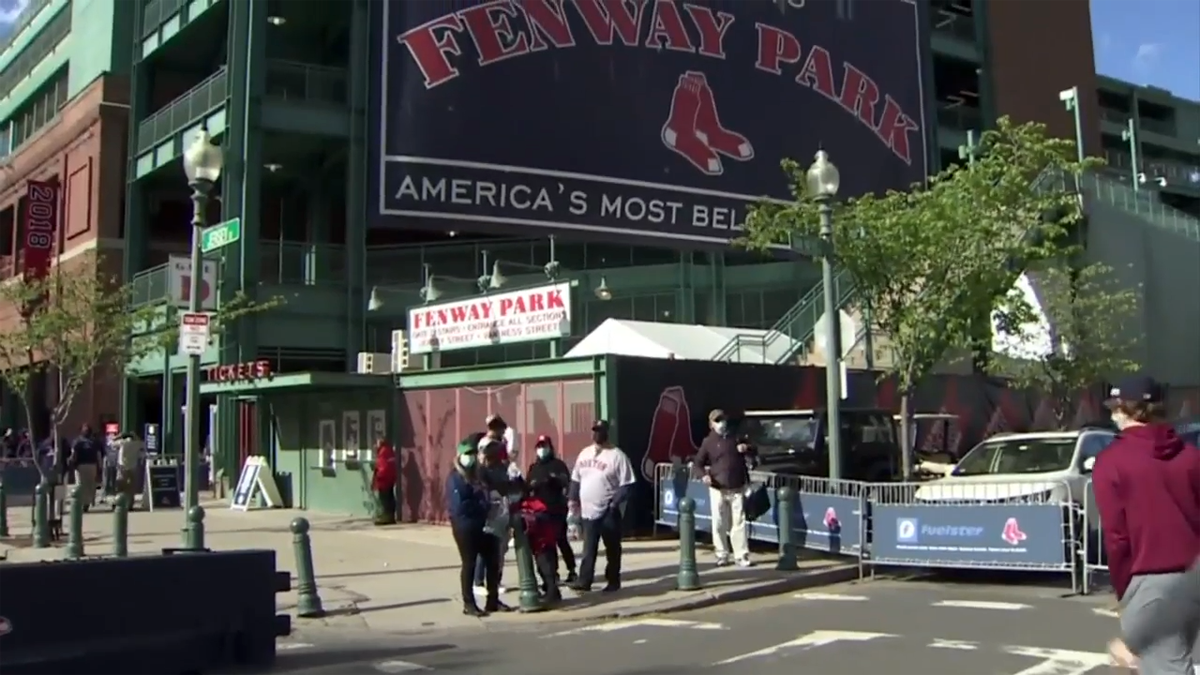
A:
[680,341]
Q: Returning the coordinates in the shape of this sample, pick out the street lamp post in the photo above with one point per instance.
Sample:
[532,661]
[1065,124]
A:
[1070,99]
[202,162]
[823,181]
[1129,135]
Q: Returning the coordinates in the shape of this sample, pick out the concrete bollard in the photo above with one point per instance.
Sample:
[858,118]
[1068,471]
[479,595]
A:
[41,515]
[120,533]
[785,500]
[75,535]
[3,512]
[528,600]
[689,577]
[194,541]
[308,603]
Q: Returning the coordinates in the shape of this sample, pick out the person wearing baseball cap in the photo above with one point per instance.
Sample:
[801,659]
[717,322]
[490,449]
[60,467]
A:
[723,464]
[1147,489]
[601,482]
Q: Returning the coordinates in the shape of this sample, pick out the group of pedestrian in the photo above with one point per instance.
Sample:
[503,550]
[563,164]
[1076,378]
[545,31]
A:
[1147,488]
[488,489]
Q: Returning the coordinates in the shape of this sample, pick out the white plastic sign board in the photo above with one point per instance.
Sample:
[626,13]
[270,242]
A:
[179,280]
[194,332]
[541,313]
[256,479]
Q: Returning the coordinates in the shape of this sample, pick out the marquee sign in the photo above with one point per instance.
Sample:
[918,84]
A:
[541,313]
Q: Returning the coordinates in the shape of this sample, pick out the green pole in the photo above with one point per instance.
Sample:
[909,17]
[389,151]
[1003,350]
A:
[195,529]
[75,536]
[41,516]
[529,601]
[308,602]
[121,526]
[688,578]
[970,150]
[3,512]
[784,508]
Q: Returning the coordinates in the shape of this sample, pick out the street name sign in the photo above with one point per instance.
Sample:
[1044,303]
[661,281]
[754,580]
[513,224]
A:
[218,236]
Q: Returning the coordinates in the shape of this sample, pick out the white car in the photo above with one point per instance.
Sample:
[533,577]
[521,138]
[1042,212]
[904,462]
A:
[1043,467]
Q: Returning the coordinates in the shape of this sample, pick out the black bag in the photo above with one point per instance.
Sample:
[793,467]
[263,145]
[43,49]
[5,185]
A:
[756,502]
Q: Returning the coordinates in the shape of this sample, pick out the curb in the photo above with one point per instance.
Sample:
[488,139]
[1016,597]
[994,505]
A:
[704,598]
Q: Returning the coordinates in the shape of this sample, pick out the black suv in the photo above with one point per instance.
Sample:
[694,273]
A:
[793,442]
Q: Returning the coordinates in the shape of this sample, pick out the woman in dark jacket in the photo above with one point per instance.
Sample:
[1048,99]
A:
[551,473]
[468,506]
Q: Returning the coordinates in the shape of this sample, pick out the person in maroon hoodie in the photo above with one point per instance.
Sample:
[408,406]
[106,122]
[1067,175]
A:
[1147,487]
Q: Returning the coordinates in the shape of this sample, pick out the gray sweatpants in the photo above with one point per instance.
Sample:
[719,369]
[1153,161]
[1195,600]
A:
[1172,654]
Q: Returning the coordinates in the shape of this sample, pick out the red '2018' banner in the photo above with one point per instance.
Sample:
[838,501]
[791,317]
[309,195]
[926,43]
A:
[41,222]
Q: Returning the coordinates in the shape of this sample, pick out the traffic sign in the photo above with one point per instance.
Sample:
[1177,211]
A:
[194,332]
[213,238]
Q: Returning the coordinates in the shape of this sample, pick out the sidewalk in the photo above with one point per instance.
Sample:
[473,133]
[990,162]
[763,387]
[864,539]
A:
[374,578]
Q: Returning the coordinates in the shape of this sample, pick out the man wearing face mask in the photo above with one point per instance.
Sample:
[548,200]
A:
[549,479]
[1147,487]
[600,484]
[722,463]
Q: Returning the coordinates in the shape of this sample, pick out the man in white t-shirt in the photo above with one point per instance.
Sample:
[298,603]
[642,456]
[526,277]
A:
[600,486]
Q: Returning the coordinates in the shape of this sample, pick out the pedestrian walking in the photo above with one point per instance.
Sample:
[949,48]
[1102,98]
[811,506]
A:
[384,481]
[1147,487]
[723,463]
[601,482]
[84,462]
[1179,607]
[130,451]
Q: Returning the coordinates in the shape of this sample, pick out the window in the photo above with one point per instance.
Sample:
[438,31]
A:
[38,49]
[1017,455]
[38,111]
[1091,445]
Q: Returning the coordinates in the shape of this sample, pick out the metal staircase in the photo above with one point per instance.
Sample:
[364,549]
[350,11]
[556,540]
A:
[793,330]
[1145,204]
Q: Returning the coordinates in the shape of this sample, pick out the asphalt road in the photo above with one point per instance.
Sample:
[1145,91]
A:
[893,627]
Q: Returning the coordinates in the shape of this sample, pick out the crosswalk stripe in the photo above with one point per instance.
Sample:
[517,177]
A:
[832,597]
[961,645]
[981,604]
[287,646]
[817,638]
[399,667]
[636,623]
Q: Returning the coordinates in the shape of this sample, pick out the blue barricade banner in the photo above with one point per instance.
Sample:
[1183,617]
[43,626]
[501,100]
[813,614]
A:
[1011,535]
[672,489]
[830,523]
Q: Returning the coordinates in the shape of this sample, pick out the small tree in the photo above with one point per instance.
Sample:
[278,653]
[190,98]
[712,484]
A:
[932,260]
[76,324]
[1079,331]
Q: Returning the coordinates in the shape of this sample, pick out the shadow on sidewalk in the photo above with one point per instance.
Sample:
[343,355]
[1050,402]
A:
[403,605]
[349,654]
[415,570]
[661,580]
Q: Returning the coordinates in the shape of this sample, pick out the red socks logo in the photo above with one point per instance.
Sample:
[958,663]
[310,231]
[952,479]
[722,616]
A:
[670,431]
[831,520]
[1012,532]
[693,128]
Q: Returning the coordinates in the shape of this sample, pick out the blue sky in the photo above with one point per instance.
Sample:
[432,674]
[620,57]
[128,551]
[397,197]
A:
[1155,42]
[8,12]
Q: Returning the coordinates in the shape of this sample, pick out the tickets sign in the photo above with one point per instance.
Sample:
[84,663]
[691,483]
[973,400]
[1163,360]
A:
[541,313]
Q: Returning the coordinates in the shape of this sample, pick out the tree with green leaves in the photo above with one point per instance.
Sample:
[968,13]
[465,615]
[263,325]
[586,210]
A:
[74,325]
[932,260]
[1078,330]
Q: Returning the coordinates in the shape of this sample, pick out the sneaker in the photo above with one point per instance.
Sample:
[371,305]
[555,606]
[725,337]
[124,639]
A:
[480,590]
[611,588]
[745,562]
[473,610]
[572,577]
[723,562]
[497,607]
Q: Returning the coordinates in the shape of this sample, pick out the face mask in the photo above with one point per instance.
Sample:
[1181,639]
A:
[466,461]
[543,453]
[600,437]
[719,427]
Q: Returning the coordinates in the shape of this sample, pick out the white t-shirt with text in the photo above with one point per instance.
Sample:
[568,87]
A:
[600,472]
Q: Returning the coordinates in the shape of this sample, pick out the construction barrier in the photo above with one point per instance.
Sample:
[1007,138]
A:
[1036,526]
[1094,558]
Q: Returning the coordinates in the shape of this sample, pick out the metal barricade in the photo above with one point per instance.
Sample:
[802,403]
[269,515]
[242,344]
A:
[1018,525]
[827,515]
[1093,559]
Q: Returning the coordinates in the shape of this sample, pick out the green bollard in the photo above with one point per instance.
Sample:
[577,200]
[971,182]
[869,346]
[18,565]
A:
[41,516]
[529,600]
[689,577]
[194,541]
[75,536]
[121,526]
[308,603]
[785,500]
[3,512]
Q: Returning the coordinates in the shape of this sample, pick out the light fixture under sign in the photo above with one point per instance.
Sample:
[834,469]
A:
[276,20]
[272,167]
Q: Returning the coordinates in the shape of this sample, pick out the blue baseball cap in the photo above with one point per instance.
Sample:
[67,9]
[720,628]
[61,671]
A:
[1135,388]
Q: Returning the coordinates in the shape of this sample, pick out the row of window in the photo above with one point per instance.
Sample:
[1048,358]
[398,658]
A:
[38,111]
[39,48]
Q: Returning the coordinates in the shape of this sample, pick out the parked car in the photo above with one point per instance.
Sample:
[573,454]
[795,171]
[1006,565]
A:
[1044,466]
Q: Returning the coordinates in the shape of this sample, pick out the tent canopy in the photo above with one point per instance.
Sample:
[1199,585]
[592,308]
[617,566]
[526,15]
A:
[681,341]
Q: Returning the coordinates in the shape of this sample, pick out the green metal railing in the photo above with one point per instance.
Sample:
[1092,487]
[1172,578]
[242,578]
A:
[307,83]
[796,326]
[1142,203]
[183,111]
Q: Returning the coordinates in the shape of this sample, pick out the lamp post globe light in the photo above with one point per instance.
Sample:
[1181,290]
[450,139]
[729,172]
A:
[823,181]
[202,163]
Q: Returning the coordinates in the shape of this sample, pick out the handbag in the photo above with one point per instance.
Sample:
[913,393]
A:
[499,517]
[756,501]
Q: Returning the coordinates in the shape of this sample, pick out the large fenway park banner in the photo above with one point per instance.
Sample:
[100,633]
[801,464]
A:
[658,119]
[541,313]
